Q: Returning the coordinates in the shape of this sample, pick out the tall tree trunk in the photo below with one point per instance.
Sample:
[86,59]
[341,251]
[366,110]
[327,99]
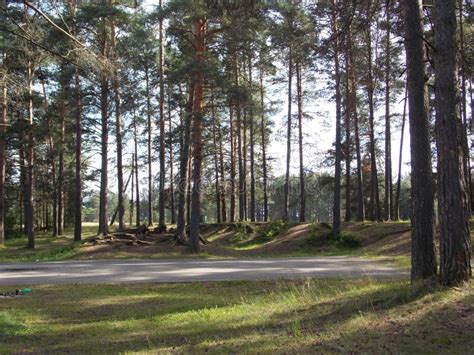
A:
[3,136]
[137,184]
[360,213]
[52,155]
[396,208]
[286,187]
[104,104]
[388,201]
[232,163]
[172,202]
[161,203]
[239,149]
[149,142]
[252,148]
[61,165]
[29,206]
[347,131]
[423,258]
[264,153]
[455,241]
[463,106]
[244,162]
[77,145]
[299,96]
[216,163]
[118,130]
[183,166]
[336,228]
[374,207]
[222,178]
[23,172]
[199,34]
[78,178]
[132,173]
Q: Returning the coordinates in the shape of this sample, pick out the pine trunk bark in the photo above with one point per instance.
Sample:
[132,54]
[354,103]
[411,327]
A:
[348,143]
[233,173]
[396,208]
[137,184]
[29,205]
[336,227]
[118,131]
[374,206]
[299,97]
[423,258]
[161,203]
[170,123]
[388,200]
[183,167]
[3,136]
[455,242]
[149,143]
[200,33]
[216,161]
[61,165]
[264,153]
[286,187]
[252,148]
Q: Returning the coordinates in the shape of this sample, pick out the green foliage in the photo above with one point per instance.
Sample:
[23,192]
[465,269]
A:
[275,228]
[348,241]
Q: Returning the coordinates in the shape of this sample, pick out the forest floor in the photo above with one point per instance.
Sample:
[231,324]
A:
[389,241]
[301,316]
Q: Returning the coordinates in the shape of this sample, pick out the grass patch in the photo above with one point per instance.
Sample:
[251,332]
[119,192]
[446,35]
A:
[307,316]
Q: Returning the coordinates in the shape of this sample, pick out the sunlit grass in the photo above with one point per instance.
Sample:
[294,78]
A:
[240,317]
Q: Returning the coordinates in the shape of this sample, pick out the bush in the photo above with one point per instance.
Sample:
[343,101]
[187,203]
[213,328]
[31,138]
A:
[348,241]
[274,229]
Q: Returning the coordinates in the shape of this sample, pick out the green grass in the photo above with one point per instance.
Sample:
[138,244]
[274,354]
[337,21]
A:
[307,316]
[47,248]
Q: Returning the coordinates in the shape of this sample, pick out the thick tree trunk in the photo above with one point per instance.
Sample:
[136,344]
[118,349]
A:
[264,153]
[423,258]
[388,200]
[183,167]
[336,227]
[299,96]
[286,187]
[3,129]
[200,31]
[161,203]
[455,243]
[118,132]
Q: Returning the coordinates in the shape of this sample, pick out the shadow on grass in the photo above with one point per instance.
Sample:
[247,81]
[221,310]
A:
[242,317]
